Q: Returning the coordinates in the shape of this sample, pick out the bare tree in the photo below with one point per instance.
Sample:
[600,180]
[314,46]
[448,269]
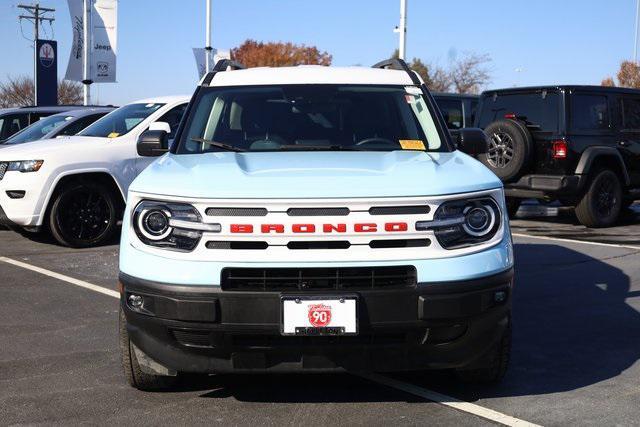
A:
[466,75]
[470,73]
[608,82]
[18,92]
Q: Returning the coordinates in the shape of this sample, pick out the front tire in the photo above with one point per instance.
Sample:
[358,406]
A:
[601,204]
[83,214]
[132,371]
[495,365]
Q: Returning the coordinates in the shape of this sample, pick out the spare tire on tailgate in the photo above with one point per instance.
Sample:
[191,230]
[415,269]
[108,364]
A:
[509,148]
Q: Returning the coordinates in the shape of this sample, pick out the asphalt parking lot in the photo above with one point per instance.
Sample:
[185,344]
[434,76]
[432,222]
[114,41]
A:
[575,355]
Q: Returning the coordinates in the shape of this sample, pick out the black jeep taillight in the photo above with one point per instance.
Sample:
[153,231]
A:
[559,149]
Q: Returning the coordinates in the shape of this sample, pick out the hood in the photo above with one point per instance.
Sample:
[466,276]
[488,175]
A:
[315,174]
[39,149]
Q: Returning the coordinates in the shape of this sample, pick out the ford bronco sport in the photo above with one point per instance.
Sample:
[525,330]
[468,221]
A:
[576,144]
[314,219]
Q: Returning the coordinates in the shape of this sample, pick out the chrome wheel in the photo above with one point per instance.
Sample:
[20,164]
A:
[501,150]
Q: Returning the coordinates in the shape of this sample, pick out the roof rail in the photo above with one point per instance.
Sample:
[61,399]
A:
[222,65]
[397,64]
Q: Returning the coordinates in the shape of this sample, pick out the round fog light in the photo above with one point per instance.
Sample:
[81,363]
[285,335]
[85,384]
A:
[136,301]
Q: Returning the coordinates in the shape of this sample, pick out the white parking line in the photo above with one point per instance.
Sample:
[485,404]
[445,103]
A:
[452,402]
[62,277]
[582,242]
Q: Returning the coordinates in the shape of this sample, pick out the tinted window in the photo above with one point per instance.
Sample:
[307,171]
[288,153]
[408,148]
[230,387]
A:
[121,121]
[311,117]
[537,108]
[79,124]
[12,124]
[39,129]
[452,112]
[173,117]
[474,110]
[631,113]
[589,112]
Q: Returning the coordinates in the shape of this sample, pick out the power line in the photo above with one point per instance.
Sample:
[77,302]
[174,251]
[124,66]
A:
[37,15]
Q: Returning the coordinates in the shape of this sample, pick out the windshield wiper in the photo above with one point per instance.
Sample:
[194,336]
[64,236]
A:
[319,147]
[218,144]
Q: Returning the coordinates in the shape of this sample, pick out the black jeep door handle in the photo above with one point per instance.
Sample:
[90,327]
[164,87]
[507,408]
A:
[624,143]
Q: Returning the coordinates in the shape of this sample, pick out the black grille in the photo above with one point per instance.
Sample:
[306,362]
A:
[309,279]
[193,338]
[399,210]
[399,243]
[318,211]
[325,244]
[239,245]
[248,340]
[236,212]
[3,169]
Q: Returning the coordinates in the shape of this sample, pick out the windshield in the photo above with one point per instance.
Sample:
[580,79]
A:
[121,121]
[540,109]
[310,117]
[39,129]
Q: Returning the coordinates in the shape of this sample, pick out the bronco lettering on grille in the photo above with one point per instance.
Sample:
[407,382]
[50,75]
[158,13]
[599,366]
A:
[368,227]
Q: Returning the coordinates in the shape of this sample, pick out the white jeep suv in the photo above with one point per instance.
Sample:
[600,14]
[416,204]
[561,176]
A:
[75,186]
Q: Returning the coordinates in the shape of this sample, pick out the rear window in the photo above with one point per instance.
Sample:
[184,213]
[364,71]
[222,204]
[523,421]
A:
[540,109]
[631,113]
[589,112]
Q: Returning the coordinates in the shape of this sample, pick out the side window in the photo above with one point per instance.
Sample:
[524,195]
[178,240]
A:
[80,124]
[631,113]
[173,117]
[13,124]
[452,112]
[589,112]
[472,112]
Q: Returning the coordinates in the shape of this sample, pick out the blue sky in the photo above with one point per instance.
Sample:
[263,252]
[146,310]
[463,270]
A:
[561,41]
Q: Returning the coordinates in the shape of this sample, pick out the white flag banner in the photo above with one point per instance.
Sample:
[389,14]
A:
[74,68]
[103,33]
[104,37]
[216,55]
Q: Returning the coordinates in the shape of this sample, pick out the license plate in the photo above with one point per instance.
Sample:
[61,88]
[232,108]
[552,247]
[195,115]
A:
[319,316]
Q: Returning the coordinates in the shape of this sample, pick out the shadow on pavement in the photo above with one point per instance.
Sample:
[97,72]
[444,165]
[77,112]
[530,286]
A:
[572,327]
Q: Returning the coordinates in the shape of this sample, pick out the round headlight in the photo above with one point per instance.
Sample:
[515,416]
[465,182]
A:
[479,220]
[153,223]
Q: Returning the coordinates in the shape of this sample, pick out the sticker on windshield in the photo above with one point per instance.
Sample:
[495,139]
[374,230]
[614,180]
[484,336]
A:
[413,90]
[412,144]
[113,135]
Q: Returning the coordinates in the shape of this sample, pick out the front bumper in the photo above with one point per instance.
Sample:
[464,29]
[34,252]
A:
[434,325]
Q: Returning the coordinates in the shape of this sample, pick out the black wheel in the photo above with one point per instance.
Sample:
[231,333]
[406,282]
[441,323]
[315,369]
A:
[495,365]
[509,147]
[83,214]
[513,205]
[132,372]
[601,204]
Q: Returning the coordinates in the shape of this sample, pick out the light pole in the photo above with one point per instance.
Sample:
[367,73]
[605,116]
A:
[207,42]
[403,29]
[635,46]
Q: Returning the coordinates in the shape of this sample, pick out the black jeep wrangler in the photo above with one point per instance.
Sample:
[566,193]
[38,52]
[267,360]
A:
[576,144]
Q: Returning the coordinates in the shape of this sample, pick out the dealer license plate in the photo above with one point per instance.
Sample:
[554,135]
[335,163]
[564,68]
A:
[319,316]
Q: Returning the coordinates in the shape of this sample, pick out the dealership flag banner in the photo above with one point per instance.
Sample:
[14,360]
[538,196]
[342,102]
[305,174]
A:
[216,55]
[103,39]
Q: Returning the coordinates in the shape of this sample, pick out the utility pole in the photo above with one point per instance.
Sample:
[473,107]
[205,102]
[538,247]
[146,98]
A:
[86,47]
[207,42]
[635,47]
[403,29]
[37,15]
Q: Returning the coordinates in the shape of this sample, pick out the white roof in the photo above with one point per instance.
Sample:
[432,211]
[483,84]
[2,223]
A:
[311,74]
[164,99]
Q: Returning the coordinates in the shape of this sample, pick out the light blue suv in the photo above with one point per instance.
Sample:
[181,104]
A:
[314,219]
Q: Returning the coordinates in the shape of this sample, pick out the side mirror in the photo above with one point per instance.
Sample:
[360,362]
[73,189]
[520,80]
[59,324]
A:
[472,141]
[152,143]
[160,126]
